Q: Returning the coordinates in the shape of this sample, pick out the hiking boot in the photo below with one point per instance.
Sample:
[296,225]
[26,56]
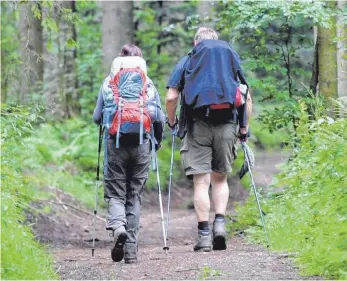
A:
[120,236]
[219,234]
[204,244]
[130,253]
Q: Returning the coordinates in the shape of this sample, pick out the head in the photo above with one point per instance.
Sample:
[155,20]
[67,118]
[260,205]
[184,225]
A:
[204,33]
[130,50]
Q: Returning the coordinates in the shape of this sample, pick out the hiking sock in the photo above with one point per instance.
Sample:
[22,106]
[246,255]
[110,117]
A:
[203,228]
[219,217]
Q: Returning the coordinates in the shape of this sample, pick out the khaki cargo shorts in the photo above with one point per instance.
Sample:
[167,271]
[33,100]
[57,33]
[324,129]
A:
[207,148]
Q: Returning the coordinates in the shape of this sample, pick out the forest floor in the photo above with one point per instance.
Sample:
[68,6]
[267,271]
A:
[68,232]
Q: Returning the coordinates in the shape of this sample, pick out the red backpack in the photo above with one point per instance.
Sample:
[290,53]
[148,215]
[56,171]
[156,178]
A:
[129,87]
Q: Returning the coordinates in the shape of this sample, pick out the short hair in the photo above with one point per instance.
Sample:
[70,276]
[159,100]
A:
[204,33]
[130,50]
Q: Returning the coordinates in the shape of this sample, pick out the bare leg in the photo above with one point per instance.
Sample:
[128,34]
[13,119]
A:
[201,197]
[220,196]
[220,192]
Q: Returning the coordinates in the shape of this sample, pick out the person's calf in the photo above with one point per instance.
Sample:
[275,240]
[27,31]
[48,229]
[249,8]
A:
[201,196]
[220,192]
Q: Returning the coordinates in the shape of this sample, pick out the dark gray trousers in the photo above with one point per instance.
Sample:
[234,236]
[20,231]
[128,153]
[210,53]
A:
[124,183]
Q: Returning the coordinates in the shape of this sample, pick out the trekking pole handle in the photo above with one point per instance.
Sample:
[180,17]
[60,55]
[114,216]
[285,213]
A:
[174,126]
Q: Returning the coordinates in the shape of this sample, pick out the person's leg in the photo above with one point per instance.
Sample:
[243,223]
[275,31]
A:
[115,196]
[196,155]
[137,180]
[202,210]
[201,197]
[220,196]
[220,192]
[225,137]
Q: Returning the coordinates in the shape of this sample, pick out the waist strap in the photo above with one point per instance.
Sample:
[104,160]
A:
[220,106]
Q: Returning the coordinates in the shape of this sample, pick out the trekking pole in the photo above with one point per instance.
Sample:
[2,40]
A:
[97,187]
[166,248]
[255,190]
[170,182]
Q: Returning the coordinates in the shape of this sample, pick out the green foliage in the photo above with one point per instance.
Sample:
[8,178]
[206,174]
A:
[279,53]
[21,256]
[10,58]
[165,35]
[64,155]
[89,55]
[208,273]
[309,216]
[269,140]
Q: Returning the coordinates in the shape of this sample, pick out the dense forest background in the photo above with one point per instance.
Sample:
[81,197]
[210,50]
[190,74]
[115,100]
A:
[54,56]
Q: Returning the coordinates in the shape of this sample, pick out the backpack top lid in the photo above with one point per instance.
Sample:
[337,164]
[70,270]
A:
[211,74]
[128,62]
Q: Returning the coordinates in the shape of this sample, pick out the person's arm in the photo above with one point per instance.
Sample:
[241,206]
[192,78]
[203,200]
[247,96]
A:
[97,115]
[171,105]
[158,126]
[175,86]
[249,107]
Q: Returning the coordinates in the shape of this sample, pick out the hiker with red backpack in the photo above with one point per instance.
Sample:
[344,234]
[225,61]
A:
[129,109]
[215,107]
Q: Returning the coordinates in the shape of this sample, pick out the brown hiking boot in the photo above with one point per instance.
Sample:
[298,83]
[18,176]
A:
[219,234]
[120,236]
[203,244]
[130,253]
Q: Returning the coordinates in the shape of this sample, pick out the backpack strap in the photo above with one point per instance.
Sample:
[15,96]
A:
[141,119]
[105,153]
[120,109]
[153,142]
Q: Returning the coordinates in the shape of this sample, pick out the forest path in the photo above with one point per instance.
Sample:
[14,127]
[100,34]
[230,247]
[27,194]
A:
[70,230]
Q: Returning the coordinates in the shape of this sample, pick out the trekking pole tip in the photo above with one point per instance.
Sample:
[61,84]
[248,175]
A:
[166,249]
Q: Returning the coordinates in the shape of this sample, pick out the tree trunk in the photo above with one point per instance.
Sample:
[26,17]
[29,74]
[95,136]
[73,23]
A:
[117,29]
[31,53]
[341,30]
[315,70]
[61,85]
[327,62]
[69,68]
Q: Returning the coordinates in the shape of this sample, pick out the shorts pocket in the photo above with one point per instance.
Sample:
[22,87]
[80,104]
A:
[201,133]
[184,153]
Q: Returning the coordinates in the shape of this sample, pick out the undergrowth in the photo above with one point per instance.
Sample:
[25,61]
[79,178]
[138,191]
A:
[309,215]
[21,256]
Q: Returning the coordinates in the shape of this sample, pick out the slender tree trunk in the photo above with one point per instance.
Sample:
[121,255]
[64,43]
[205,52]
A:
[31,52]
[160,22]
[327,62]
[117,29]
[341,30]
[69,68]
[315,70]
[61,85]
[204,10]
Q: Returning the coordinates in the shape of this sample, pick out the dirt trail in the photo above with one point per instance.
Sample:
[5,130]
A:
[69,234]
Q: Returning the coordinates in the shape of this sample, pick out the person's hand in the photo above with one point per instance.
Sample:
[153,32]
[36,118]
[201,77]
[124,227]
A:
[244,134]
[173,127]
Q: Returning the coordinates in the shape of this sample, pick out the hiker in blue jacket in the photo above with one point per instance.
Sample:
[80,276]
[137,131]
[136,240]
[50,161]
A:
[214,115]
[126,159]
